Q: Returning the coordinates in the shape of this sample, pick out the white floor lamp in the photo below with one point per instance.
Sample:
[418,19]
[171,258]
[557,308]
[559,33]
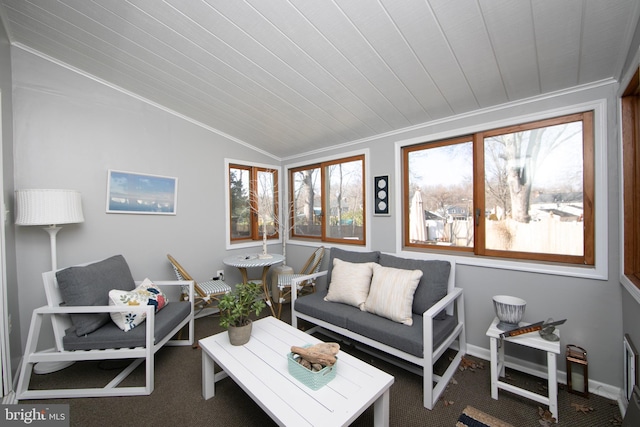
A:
[49,208]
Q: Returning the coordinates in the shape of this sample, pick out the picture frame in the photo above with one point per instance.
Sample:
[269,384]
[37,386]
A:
[381,195]
[137,193]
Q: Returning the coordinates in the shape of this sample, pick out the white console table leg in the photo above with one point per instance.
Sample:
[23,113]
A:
[493,342]
[553,384]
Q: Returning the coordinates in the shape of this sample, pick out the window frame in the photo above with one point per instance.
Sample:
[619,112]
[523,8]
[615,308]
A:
[255,238]
[599,270]
[630,118]
[321,164]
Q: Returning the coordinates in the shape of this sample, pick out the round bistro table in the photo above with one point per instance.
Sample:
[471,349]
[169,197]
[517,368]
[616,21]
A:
[243,262]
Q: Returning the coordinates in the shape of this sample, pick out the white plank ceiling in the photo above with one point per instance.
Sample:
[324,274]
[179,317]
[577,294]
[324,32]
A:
[294,76]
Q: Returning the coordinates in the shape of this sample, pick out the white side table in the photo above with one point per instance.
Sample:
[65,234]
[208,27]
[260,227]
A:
[531,340]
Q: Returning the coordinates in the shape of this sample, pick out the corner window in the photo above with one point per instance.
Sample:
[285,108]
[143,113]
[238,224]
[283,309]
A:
[631,178]
[327,201]
[523,192]
[253,202]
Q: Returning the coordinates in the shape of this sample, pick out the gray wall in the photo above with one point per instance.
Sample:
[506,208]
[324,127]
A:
[70,129]
[7,196]
[581,301]
[631,295]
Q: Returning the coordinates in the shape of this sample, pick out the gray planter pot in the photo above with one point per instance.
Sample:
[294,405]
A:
[239,335]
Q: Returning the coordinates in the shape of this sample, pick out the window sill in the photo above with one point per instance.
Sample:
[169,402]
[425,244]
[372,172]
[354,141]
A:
[593,273]
[631,288]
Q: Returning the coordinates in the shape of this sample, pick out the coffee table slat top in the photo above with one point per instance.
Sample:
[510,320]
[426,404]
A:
[260,367]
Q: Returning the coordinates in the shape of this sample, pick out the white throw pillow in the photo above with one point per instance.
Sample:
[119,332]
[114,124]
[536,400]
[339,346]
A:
[145,294]
[350,282]
[391,293]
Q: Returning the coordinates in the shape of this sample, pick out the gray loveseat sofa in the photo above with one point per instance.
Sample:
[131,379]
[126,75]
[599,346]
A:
[437,316]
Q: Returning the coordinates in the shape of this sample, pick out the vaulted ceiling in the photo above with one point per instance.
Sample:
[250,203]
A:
[293,76]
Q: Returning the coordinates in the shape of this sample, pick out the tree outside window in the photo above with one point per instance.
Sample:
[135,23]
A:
[253,202]
[522,192]
[328,201]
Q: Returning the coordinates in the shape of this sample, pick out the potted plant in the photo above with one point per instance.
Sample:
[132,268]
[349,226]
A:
[235,308]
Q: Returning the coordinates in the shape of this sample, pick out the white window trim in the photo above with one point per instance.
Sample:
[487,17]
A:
[368,182]
[253,243]
[600,270]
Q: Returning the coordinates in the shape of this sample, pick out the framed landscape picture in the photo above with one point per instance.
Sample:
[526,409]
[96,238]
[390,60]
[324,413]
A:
[134,193]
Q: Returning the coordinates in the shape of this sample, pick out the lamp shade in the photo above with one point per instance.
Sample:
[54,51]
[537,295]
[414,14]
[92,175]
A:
[48,207]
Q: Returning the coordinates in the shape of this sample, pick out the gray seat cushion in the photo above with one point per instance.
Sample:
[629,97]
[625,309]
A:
[433,284]
[333,312]
[110,336]
[90,285]
[397,335]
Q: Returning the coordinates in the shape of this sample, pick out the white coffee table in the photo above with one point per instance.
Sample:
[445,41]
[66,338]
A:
[260,368]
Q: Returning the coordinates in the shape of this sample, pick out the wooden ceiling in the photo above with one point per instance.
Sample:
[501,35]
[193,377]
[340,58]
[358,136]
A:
[296,76]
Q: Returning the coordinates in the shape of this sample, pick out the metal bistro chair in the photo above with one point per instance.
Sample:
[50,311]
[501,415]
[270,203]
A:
[206,293]
[284,280]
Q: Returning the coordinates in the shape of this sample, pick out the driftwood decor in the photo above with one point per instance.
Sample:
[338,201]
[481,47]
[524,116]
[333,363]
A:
[318,356]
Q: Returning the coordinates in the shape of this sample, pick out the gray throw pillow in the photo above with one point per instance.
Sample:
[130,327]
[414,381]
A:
[90,285]
[433,284]
[349,256]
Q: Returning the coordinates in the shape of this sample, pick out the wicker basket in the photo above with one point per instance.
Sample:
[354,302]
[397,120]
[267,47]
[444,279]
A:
[313,380]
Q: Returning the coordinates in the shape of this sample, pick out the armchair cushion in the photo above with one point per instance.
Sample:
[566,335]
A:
[145,294]
[89,286]
[111,336]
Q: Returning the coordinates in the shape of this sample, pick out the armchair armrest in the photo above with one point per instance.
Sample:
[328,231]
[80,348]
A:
[297,280]
[71,309]
[445,302]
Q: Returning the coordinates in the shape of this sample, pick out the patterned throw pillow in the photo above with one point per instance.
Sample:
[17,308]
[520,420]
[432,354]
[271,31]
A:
[145,294]
[391,293]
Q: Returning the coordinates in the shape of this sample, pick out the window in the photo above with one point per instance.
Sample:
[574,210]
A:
[523,192]
[327,201]
[253,201]
[631,178]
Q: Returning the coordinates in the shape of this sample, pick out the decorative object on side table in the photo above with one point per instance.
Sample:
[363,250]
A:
[314,365]
[509,310]
[577,372]
[235,308]
[548,328]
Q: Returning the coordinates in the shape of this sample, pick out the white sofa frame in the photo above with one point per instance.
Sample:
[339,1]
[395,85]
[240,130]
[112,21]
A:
[60,321]
[453,303]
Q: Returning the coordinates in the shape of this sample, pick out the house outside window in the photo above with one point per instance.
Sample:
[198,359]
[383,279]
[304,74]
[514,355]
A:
[523,192]
[327,201]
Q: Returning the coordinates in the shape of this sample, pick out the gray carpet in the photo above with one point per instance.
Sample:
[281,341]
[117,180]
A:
[177,398]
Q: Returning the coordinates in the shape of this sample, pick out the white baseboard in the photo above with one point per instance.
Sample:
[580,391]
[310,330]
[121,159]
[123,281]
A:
[601,389]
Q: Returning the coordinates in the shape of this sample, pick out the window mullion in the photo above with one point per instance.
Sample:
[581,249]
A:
[479,203]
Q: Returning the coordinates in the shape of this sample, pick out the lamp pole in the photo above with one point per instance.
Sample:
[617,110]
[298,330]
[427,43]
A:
[53,230]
